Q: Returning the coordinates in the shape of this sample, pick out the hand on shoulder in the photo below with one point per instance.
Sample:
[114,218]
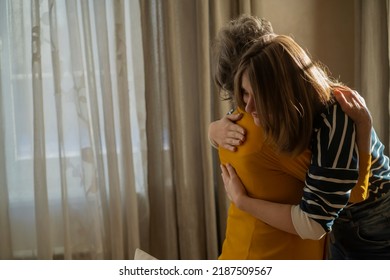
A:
[354,105]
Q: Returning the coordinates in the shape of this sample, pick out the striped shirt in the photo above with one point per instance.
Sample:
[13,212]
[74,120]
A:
[333,171]
[379,182]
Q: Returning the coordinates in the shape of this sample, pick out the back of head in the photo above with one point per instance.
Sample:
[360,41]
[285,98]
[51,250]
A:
[232,41]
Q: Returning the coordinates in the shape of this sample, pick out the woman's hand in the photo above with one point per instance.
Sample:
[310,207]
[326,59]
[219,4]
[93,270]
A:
[226,133]
[355,107]
[234,188]
[275,214]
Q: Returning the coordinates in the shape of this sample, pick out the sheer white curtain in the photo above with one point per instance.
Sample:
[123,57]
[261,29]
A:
[72,121]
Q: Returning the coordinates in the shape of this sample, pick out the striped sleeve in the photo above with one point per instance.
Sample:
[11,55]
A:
[333,171]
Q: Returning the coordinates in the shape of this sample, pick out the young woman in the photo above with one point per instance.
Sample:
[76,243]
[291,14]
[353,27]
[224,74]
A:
[293,101]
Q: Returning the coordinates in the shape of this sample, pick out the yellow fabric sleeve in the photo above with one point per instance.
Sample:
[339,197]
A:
[360,190]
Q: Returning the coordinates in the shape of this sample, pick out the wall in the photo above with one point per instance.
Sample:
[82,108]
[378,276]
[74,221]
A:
[324,28]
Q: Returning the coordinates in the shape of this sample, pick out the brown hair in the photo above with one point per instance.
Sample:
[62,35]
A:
[232,41]
[289,89]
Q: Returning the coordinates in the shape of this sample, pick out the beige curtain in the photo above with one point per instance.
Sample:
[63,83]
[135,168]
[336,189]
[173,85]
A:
[188,206]
[373,27]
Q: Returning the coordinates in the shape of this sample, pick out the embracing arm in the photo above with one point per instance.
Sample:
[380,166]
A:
[355,107]
[275,214]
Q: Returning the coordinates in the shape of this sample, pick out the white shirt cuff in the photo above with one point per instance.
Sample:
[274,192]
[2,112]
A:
[306,227]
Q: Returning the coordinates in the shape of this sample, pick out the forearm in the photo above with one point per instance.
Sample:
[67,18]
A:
[363,137]
[355,107]
[274,214]
[285,217]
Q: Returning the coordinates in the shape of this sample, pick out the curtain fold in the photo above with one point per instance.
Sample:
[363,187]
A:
[59,115]
[373,55]
[161,239]
[40,184]
[188,207]
[184,110]
[130,209]
[115,213]
[5,232]
[203,37]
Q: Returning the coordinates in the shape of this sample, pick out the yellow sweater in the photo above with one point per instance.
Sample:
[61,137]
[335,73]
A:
[270,176]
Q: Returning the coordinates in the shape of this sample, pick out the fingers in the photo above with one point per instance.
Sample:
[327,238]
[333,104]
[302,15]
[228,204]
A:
[344,99]
[231,123]
[229,147]
[231,144]
[353,105]
[235,135]
[236,130]
[349,97]
[340,97]
[224,174]
[226,133]
[228,171]
[238,134]
[228,174]
[229,168]
[226,177]
[233,139]
[358,97]
[348,100]
[234,117]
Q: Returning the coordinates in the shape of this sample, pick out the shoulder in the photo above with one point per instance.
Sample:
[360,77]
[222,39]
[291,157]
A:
[334,124]
[331,116]
[334,137]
